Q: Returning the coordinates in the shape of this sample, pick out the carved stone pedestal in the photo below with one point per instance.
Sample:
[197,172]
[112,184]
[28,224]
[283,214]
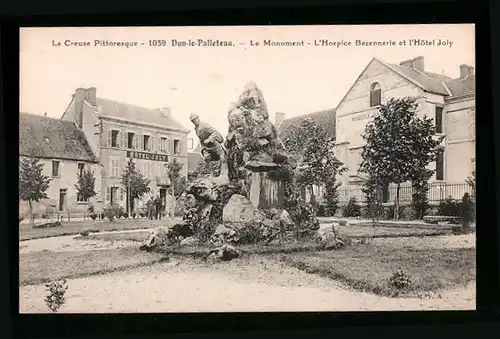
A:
[266,193]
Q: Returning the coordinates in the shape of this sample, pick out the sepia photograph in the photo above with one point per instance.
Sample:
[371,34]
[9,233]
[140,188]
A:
[318,168]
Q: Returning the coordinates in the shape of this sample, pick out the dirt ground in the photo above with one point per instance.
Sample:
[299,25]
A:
[248,285]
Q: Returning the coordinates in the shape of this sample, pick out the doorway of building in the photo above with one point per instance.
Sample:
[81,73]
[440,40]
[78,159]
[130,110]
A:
[62,198]
[163,197]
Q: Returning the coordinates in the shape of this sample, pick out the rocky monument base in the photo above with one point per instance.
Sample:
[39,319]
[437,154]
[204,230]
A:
[250,197]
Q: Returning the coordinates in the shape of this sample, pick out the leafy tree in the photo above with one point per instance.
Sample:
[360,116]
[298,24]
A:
[32,182]
[136,184]
[331,196]
[420,189]
[312,153]
[86,185]
[399,145]
[177,179]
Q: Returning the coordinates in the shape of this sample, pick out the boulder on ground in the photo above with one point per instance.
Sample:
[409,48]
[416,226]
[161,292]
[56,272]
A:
[224,235]
[184,228]
[161,236]
[223,253]
[330,239]
[190,241]
[286,221]
[238,209]
[48,224]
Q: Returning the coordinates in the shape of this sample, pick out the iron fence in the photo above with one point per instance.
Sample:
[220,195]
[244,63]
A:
[436,192]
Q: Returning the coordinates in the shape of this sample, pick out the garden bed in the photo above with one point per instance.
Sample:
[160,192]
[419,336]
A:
[368,267]
[42,267]
[27,232]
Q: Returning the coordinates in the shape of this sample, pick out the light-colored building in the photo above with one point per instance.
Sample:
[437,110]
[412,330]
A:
[449,102]
[118,132]
[64,151]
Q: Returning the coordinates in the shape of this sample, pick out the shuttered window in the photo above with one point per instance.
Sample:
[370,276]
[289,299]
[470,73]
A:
[163,144]
[140,144]
[114,167]
[124,139]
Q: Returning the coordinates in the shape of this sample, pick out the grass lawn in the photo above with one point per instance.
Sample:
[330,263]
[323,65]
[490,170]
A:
[27,232]
[368,267]
[129,236]
[355,231]
[42,267]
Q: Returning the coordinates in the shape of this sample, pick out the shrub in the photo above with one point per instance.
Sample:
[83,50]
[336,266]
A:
[125,215]
[388,212]
[55,297]
[352,209]
[467,210]
[93,216]
[134,215]
[432,211]
[321,211]
[250,234]
[408,213]
[400,280]
[449,208]
[342,223]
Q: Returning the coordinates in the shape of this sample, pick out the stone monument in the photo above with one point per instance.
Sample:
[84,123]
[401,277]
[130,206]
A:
[250,189]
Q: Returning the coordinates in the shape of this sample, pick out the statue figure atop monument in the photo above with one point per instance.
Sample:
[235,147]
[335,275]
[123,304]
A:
[211,142]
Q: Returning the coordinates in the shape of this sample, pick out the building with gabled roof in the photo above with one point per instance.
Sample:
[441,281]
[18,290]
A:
[64,152]
[119,132]
[450,102]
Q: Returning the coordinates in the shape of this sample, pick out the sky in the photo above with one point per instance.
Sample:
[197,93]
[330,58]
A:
[205,80]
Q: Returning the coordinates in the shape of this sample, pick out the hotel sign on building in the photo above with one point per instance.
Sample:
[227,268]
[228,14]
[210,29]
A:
[147,156]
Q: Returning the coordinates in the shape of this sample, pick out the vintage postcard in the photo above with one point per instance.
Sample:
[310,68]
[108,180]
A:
[247,169]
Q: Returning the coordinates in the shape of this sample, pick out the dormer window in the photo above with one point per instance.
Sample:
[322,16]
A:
[375,95]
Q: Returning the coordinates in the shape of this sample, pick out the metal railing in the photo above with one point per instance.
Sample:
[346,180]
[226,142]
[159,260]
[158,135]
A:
[436,192]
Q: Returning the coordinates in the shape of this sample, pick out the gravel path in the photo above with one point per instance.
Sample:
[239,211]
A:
[68,244]
[250,285]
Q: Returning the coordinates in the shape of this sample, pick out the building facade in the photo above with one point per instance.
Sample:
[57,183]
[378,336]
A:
[449,102]
[119,133]
[65,153]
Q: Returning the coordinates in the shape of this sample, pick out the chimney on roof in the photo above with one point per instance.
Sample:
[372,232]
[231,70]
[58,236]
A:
[418,63]
[79,97]
[165,111]
[407,63]
[91,96]
[466,70]
[278,119]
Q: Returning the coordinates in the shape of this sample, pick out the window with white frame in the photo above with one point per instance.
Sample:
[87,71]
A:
[130,140]
[177,146]
[114,138]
